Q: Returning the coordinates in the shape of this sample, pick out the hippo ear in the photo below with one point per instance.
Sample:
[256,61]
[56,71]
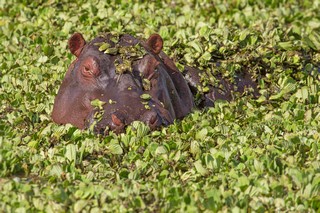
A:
[76,43]
[155,42]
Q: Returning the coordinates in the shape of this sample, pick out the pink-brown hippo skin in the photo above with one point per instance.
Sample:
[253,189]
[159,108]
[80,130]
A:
[146,87]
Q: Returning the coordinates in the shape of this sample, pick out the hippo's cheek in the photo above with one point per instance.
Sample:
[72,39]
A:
[72,109]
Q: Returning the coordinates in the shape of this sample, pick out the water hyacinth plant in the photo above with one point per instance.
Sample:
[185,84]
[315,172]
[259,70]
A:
[244,155]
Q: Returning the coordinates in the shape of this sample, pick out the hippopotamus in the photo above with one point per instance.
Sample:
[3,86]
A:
[132,78]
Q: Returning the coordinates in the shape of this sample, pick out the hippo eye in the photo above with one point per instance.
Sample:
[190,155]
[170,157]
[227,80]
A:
[86,71]
[90,67]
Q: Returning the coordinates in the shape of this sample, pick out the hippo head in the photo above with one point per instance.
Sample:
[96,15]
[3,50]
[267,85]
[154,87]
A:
[109,70]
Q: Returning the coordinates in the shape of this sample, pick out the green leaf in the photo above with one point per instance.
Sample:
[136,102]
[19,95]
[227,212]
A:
[302,93]
[111,51]
[196,46]
[43,59]
[161,150]
[287,85]
[56,170]
[141,128]
[315,39]
[258,166]
[286,45]
[38,203]
[145,96]
[202,134]
[115,148]
[206,56]
[243,35]
[80,205]
[243,181]
[210,161]
[104,46]
[139,202]
[33,144]
[98,103]
[71,153]
[194,148]
[199,168]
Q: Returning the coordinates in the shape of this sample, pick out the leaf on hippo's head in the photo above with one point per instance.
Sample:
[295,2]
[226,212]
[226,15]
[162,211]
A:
[103,46]
[131,52]
[111,51]
[124,66]
[146,84]
[115,38]
[97,103]
[106,48]
[147,107]
[145,96]
[146,104]
[112,101]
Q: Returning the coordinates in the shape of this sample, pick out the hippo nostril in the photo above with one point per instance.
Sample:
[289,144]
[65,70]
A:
[116,120]
[153,119]
[101,131]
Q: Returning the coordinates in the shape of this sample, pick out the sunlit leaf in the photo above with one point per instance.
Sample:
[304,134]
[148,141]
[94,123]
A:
[79,205]
[200,169]
[71,152]
[115,148]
